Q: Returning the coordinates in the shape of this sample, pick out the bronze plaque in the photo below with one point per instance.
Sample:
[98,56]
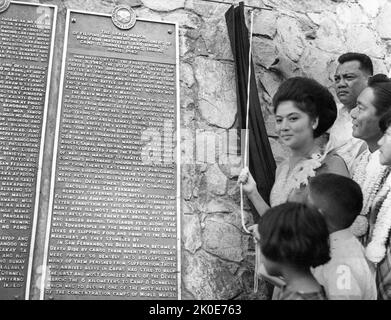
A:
[26,33]
[113,219]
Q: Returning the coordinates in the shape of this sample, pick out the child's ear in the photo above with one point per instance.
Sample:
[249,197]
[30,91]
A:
[315,123]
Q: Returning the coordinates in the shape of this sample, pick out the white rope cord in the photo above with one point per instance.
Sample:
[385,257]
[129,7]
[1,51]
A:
[246,144]
[247,120]
[257,265]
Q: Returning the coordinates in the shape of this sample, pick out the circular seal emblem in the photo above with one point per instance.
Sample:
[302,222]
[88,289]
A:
[123,17]
[4,4]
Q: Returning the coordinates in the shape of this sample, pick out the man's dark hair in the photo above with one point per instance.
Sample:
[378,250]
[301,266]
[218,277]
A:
[385,121]
[381,86]
[295,234]
[342,195]
[366,64]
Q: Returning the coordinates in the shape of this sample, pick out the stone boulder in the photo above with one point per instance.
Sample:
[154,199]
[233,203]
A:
[349,14]
[187,74]
[290,37]
[383,22]
[208,278]
[316,64]
[191,235]
[265,23]
[223,240]
[216,181]
[217,92]
[215,35]
[217,206]
[360,38]
[329,37]
[265,52]
[370,7]
[285,68]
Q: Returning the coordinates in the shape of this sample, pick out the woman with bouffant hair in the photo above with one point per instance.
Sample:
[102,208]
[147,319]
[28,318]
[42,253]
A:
[304,110]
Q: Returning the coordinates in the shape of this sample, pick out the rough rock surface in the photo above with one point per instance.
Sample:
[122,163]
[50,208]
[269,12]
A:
[223,240]
[383,21]
[265,23]
[191,233]
[216,91]
[216,180]
[207,277]
[290,37]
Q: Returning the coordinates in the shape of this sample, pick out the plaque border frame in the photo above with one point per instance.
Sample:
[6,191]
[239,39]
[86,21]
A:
[43,140]
[178,163]
[56,144]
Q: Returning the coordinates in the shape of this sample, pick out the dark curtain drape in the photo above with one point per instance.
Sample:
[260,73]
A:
[261,161]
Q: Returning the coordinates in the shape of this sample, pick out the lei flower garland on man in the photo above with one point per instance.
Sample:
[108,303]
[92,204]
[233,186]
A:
[376,248]
[369,174]
[372,104]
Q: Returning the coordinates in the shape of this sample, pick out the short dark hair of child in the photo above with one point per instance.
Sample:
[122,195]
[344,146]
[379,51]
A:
[341,195]
[295,234]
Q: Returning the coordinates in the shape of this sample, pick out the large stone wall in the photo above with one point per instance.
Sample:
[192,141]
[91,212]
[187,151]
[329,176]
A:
[295,37]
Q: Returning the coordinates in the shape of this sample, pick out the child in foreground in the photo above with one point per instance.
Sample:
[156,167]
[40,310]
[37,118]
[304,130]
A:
[294,238]
[348,275]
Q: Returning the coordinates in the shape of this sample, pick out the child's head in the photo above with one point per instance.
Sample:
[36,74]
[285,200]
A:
[294,235]
[339,199]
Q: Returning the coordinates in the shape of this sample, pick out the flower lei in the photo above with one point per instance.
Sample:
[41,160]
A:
[298,178]
[307,170]
[368,174]
[376,249]
[359,172]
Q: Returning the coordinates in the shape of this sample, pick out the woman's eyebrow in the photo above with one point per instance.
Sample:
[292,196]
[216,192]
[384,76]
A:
[289,114]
